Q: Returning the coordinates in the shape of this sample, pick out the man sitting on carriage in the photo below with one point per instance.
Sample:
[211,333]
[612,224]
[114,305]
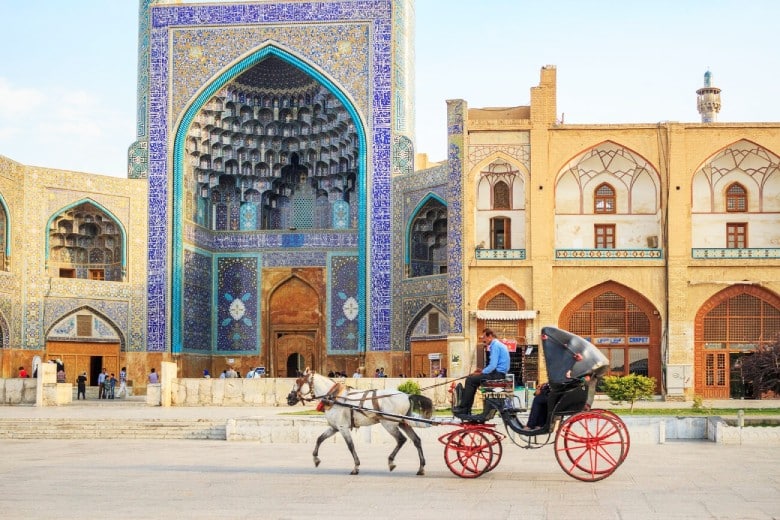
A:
[497,368]
[574,367]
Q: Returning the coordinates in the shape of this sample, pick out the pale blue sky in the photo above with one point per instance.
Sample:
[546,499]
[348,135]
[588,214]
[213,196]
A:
[68,75]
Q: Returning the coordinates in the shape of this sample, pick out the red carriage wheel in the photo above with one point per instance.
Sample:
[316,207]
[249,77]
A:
[623,428]
[468,452]
[495,444]
[589,446]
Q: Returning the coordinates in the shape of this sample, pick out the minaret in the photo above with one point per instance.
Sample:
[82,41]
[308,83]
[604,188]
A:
[708,101]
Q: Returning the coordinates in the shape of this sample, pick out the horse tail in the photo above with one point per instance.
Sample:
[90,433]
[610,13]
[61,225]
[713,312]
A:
[422,405]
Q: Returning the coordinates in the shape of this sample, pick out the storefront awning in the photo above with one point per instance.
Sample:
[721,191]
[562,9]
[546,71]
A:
[505,315]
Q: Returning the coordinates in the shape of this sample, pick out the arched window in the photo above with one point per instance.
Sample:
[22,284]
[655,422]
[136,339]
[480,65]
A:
[736,198]
[501,196]
[604,199]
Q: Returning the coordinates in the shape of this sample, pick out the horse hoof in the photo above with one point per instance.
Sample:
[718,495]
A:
[421,472]
[354,472]
[391,466]
[316,463]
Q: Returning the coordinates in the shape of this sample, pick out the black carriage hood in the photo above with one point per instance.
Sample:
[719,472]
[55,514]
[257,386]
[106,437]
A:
[560,347]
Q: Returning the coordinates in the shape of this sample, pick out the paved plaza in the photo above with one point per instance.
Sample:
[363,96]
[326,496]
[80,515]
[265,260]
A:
[131,479]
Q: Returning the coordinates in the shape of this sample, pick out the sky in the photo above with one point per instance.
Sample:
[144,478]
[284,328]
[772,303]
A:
[69,68]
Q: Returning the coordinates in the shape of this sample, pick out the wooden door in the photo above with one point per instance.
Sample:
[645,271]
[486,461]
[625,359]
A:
[712,377]
[77,356]
[288,343]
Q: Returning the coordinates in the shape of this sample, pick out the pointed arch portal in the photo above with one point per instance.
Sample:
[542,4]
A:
[179,170]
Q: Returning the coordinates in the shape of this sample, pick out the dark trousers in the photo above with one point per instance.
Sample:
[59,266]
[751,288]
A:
[82,393]
[538,416]
[472,383]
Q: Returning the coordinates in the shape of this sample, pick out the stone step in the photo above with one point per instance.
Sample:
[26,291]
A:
[111,429]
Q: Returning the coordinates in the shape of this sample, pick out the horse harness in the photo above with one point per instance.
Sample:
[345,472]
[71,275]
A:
[359,406]
[328,400]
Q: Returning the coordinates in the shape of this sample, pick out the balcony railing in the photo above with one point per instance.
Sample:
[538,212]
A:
[500,254]
[757,253]
[608,254]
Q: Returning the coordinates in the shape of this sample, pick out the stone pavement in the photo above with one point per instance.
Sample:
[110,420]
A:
[99,479]
[133,479]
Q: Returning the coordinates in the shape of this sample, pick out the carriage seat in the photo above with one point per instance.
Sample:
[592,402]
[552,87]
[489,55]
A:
[495,386]
[566,399]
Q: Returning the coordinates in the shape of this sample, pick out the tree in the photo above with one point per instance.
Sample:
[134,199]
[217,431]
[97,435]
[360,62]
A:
[762,369]
[629,388]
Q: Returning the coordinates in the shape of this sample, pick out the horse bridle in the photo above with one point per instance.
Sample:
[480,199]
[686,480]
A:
[304,397]
[307,379]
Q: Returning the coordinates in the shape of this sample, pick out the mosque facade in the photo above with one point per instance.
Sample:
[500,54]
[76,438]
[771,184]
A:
[276,214]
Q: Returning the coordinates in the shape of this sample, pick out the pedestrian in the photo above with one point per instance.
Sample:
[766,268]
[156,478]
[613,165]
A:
[81,384]
[122,383]
[102,384]
[110,386]
[154,377]
[207,375]
[22,372]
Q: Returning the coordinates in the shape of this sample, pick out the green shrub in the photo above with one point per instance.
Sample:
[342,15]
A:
[410,387]
[629,388]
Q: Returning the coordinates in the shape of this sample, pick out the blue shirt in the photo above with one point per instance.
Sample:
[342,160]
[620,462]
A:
[499,358]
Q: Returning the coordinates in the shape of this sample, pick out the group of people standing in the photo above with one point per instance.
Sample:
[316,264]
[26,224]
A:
[106,385]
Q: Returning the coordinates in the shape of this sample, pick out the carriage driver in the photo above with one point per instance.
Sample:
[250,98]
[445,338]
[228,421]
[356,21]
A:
[496,369]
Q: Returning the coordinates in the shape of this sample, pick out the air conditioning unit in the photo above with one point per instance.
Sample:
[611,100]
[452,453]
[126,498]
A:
[652,241]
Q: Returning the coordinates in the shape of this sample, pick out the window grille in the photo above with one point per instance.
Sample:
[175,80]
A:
[501,196]
[614,319]
[736,198]
[604,199]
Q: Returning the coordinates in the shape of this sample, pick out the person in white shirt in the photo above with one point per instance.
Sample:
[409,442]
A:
[122,383]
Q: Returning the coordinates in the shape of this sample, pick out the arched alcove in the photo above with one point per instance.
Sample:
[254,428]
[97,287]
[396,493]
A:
[85,240]
[286,153]
[426,246]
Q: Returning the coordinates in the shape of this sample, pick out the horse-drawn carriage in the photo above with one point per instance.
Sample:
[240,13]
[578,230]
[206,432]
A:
[590,444]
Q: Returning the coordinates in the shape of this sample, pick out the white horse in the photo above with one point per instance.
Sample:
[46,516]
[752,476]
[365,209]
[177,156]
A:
[347,408]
